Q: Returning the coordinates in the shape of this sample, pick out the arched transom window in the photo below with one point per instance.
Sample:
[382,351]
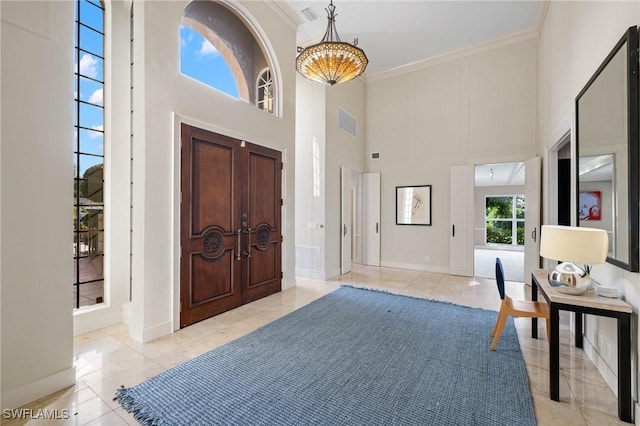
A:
[219,49]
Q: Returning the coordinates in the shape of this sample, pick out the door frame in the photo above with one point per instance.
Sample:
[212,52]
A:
[540,198]
[346,220]
[371,225]
[176,171]
[551,210]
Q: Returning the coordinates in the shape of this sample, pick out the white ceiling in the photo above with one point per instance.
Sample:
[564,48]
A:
[596,168]
[396,33]
[500,174]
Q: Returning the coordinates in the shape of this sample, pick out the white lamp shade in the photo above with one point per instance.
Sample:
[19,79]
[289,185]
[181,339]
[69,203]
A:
[574,244]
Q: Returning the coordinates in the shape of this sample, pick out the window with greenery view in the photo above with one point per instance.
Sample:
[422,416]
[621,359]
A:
[504,217]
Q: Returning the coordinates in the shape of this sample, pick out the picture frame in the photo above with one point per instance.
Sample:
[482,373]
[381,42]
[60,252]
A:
[590,205]
[413,205]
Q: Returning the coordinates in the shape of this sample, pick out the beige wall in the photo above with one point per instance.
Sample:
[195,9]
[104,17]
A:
[343,149]
[576,37]
[310,188]
[36,172]
[477,109]
[317,122]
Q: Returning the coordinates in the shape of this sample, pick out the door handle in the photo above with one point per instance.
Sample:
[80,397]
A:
[247,252]
[238,256]
[376,227]
[453,230]
[533,234]
[345,230]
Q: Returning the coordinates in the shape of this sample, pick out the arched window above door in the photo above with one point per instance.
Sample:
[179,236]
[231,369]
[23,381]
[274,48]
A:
[264,86]
[219,48]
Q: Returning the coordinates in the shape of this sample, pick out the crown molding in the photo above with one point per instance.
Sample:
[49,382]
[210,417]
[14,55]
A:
[542,15]
[285,12]
[495,43]
[464,52]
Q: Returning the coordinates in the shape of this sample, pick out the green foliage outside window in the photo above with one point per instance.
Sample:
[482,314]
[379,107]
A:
[499,207]
[500,214]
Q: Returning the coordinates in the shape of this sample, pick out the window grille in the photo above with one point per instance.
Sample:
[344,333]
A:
[88,204]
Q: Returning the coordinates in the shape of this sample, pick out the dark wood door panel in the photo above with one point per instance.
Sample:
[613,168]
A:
[263,272]
[263,268]
[210,271]
[212,186]
[212,278]
[264,188]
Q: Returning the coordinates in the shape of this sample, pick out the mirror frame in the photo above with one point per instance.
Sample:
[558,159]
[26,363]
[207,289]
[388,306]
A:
[633,131]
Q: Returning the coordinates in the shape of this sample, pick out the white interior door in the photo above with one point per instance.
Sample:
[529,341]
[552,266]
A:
[531,217]
[346,217]
[371,226]
[461,221]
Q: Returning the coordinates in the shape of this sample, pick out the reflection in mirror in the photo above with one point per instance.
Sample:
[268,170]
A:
[597,204]
[607,146]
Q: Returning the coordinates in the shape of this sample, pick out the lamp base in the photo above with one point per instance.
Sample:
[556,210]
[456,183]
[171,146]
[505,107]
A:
[567,278]
[562,279]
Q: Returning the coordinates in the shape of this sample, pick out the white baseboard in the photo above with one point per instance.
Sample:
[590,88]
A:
[333,273]
[152,333]
[38,389]
[415,267]
[84,322]
[126,313]
[308,273]
[289,283]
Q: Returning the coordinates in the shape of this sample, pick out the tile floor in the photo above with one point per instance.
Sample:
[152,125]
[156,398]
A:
[108,358]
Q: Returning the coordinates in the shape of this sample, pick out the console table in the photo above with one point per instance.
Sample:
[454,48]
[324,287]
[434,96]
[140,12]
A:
[585,304]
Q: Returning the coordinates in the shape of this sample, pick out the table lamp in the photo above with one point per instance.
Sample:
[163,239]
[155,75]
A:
[570,245]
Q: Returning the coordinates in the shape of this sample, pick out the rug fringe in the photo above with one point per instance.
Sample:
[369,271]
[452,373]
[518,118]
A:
[144,416]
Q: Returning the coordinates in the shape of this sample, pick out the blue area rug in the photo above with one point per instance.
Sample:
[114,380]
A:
[352,357]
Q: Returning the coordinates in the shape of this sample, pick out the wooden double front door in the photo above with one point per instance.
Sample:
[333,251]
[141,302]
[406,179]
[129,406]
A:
[230,223]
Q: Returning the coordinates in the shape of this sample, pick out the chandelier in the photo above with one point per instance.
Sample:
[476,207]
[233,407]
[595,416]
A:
[331,61]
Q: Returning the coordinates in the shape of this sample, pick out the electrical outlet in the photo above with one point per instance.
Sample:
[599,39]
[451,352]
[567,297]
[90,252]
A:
[427,259]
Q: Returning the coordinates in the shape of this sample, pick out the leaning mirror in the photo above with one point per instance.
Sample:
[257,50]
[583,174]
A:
[607,150]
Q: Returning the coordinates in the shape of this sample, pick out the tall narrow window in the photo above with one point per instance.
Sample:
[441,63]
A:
[265,91]
[88,155]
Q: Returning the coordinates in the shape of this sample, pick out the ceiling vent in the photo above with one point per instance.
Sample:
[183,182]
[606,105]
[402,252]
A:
[309,14]
[346,122]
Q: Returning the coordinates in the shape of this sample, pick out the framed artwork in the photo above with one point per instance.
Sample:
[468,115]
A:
[413,205]
[590,207]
